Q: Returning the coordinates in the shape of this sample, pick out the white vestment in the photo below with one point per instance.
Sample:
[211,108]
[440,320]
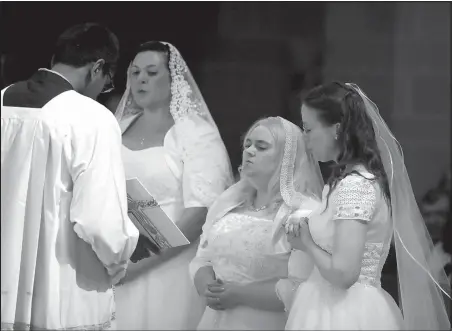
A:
[65,234]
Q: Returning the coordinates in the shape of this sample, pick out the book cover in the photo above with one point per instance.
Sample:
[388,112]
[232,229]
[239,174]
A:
[150,220]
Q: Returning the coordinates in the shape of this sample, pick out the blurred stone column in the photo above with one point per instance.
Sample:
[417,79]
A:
[360,48]
[422,110]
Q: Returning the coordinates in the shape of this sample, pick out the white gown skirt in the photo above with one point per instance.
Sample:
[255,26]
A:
[160,298]
[242,318]
[320,306]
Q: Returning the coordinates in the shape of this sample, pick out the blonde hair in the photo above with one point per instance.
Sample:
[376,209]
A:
[276,128]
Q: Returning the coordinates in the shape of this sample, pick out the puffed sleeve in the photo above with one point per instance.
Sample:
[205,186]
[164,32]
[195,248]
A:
[206,166]
[355,199]
[202,258]
[99,204]
[204,253]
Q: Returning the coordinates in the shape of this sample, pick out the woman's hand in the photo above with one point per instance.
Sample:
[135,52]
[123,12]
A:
[293,224]
[304,240]
[221,296]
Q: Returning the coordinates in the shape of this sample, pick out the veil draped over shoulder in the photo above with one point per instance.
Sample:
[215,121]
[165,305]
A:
[420,289]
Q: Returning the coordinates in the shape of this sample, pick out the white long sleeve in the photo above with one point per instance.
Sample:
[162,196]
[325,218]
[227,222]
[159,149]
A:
[99,204]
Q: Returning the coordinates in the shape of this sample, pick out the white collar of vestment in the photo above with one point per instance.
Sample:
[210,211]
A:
[56,73]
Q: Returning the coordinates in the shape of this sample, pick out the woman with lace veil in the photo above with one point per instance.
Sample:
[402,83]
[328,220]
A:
[367,203]
[242,267]
[172,145]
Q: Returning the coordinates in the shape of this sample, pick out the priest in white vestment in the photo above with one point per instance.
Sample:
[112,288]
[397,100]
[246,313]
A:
[65,234]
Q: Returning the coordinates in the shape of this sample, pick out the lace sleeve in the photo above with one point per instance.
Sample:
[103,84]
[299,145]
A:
[355,199]
[206,171]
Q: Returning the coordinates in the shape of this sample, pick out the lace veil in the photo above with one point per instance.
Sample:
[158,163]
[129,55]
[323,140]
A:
[186,101]
[300,181]
[420,289]
[186,97]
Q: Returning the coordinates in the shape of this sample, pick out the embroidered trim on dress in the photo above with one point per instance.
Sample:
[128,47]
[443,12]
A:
[355,199]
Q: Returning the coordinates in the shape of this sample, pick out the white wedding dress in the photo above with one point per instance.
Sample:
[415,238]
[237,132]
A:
[318,305]
[240,249]
[163,297]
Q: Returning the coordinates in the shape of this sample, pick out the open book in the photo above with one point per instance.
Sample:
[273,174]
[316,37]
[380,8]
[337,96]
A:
[150,220]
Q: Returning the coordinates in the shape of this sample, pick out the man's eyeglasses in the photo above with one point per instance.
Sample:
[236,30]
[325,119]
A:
[109,86]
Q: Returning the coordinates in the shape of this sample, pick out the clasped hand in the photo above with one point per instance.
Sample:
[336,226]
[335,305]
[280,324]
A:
[222,295]
[144,249]
[297,231]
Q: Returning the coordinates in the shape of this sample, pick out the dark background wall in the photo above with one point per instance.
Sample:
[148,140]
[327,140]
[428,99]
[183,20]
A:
[249,59]
[254,59]
[30,29]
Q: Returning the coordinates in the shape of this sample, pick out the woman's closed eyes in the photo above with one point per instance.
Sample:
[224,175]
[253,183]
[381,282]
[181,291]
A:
[149,73]
[260,145]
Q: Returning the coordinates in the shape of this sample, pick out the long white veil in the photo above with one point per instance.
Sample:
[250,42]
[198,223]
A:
[420,289]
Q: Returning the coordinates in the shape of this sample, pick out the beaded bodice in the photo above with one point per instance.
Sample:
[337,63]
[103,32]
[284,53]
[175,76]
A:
[240,249]
[356,197]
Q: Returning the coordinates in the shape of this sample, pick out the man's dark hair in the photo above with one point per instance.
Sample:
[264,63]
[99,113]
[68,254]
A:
[86,43]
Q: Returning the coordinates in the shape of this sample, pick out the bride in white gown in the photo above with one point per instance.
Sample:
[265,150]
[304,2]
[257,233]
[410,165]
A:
[172,145]
[241,268]
[368,202]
